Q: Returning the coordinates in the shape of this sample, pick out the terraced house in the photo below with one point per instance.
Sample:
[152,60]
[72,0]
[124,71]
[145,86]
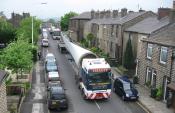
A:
[108,28]
[145,28]
[156,66]
[76,26]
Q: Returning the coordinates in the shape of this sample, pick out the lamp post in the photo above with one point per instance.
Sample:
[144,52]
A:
[32,31]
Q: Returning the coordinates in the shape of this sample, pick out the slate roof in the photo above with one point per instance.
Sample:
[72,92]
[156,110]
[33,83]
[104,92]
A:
[165,37]
[84,15]
[149,25]
[2,75]
[118,20]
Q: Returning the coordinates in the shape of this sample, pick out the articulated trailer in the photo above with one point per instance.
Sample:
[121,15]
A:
[93,74]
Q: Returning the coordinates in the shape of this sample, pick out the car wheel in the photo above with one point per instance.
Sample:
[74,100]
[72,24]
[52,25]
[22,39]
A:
[123,98]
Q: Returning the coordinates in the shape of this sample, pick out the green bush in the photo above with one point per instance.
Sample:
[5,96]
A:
[159,93]
[135,80]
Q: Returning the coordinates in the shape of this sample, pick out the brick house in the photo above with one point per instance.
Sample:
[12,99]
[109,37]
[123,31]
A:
[76,26]
[3,98]
[108,29]
[144,29]
[156,65]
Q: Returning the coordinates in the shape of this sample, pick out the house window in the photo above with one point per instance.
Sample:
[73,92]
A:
[111,47]
[112,30]
[163,55]
[149,51]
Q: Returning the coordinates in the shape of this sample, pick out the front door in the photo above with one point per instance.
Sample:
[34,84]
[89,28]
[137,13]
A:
[165,82]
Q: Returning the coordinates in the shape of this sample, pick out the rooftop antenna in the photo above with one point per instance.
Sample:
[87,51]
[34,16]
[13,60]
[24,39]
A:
[161,3]
[138,6]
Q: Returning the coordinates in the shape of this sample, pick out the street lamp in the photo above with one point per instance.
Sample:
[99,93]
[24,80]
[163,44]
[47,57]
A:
[32,31]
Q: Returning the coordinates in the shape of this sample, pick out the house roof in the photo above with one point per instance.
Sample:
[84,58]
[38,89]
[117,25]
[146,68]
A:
[119,19]
[3,74]
[84,15]
[149,25]
[165,37]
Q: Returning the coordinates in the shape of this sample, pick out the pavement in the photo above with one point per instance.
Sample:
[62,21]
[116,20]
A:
[149,104]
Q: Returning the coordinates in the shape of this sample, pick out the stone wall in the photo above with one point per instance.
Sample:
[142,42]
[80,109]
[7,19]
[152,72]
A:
[3,98]
[161,69]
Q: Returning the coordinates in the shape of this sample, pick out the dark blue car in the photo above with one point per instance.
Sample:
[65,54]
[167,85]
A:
[125,89]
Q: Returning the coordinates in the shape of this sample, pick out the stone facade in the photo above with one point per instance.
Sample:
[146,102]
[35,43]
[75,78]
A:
[76,26]
[3,98]
[110,34]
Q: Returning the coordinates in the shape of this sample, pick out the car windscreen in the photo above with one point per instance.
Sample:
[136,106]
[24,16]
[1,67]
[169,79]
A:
[58,96]
[127,86]
[51,64]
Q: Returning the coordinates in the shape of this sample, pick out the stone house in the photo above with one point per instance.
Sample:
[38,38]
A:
[144,29]
[108,29]
[76,26]
[156,64]
[3,98]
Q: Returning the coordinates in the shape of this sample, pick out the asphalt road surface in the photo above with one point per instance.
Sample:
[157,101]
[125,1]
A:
[76,103]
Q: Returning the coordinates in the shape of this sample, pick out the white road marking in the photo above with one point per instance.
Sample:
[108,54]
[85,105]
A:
[37,108]
[143,107]
[97,105]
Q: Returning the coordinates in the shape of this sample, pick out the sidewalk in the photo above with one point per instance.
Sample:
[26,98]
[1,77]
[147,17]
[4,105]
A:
[144,99]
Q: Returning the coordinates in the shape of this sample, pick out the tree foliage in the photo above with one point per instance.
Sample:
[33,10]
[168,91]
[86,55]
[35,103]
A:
[90,38]
[7,32]
[128,56]
[65,20]
[17,56]
[25,29]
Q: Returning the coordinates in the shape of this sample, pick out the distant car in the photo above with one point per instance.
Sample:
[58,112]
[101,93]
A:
[50,57]
[57,98]
[53,76]
[45,42]
[51,66]
[124,88]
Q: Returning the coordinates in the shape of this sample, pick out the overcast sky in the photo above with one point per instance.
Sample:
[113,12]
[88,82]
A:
[57,8]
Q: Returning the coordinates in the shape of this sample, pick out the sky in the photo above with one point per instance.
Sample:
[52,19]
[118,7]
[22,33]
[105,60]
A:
[57,8]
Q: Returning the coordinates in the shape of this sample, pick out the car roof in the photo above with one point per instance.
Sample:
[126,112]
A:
[124,79]
[53,74]
[45,39]
[57,90]
[49,54]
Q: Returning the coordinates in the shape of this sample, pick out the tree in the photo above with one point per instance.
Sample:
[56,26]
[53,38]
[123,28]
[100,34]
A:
[128,56]
[7,32]
[25,29]
[17,56]
[65,20]
[90,38]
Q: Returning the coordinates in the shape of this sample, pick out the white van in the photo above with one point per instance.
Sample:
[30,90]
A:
[45,42]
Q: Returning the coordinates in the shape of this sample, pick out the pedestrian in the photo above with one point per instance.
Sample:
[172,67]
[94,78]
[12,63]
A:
[39,55]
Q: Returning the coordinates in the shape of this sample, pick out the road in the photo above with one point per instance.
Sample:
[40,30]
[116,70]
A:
[36,99]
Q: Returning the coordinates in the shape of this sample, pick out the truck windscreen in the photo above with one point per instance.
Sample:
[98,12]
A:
[103,77]
[56,33]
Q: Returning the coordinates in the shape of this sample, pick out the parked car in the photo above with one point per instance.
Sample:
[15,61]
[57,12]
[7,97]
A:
[51,66]
[45,42]
[57,98]
[53,84]
[53,76]
[124,88]
[50,57]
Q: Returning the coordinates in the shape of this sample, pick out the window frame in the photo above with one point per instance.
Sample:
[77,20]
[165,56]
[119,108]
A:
[165,50]
[149,46]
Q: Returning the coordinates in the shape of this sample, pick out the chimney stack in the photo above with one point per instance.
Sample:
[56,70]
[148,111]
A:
[92,14]
[97,14]
[114,13]
[123,12]
[172,16]
[163,12]
[108,14]
[102,14]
